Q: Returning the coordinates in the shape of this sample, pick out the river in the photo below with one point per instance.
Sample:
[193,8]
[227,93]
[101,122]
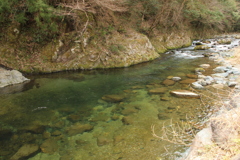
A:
[64,113]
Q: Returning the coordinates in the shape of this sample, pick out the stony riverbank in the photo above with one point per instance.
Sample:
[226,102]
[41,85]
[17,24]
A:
[220,139]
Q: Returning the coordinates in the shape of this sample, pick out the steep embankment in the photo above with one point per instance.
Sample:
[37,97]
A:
[50,36]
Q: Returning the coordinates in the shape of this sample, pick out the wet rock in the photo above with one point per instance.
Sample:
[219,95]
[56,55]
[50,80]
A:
[232,83]
[128,111]
[162,116]
[113,98]
[74,117]
[168,82]
[220,69]
[115,117]
[204,65]
[196,85]
[176,79]
[25,151]
[78,128]
[193,76]
[187,81]
[218,86]
[117,139]
[49,146]
[127,120]
[56,133]
[80,142]
[158,90]
[209,79]
[100,117]
[184,94]
[46,135]
[221,75]
[11,77]
[102,140]
[38,129]
[224,41]
[199,70]
[201,47]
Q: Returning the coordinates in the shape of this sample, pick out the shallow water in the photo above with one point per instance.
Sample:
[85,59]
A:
[43,111]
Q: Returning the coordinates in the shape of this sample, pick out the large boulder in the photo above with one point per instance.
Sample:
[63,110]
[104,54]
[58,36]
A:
[11,77]
[184,94]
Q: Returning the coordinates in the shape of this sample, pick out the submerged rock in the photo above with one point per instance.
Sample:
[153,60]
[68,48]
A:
[193,76]
[184,94]
[102,140]
[49,146]
[113,98]
[127,120]
[78,128]
[158,90]
[25,151]
[168,82]
[196,85]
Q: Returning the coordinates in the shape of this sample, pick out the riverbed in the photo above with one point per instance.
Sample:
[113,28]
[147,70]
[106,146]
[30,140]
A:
[68,116]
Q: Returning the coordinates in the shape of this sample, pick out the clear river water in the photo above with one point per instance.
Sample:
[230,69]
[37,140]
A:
[66,115]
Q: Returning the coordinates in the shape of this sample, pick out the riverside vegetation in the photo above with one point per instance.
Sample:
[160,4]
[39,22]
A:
[54,35]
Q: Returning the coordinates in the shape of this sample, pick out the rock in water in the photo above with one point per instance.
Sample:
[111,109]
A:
[187,81]
[158,90]
[11,77]
[113,98]
[184,94]
[25,151]
[78,128]
[168,82]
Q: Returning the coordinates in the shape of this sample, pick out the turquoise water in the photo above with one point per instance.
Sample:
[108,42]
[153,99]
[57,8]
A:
[47,108]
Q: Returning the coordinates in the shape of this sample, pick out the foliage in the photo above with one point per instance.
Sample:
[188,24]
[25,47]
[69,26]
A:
[27,12]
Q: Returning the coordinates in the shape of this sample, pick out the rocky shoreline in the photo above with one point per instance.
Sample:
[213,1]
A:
[220,137]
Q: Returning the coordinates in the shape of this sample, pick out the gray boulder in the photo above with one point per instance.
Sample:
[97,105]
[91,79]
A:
[11,77]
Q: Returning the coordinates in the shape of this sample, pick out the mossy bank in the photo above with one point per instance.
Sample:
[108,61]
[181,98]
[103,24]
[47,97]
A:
[50,36]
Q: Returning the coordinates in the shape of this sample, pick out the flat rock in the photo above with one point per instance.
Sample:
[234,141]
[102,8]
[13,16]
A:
[102,140]
[176,78]
[218,86]
[113,98]
[49,146]
[25,151]
[196,85]
[184,94]
[204,65]
[127,120]
[193,76]
[187,81]
[168,82]
[158,90]
[78,128]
